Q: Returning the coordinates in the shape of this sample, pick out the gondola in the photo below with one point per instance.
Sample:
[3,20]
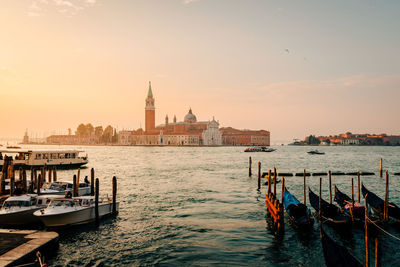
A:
[298,213]
[329,212]
[377,204]
[336,255]
[346,203]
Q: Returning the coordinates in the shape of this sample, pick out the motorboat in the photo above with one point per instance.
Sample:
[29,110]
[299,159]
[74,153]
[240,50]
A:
[18,210]
[315,152]
[73,211]
[62,159]
[259,149]
[61,187]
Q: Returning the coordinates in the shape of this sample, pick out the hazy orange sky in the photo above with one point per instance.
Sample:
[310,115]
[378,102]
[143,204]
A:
[291,67]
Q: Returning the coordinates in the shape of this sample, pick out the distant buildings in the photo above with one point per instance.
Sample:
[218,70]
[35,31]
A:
[348,138]
[189,132]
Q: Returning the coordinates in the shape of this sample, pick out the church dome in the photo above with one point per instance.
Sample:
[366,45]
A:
[190,117]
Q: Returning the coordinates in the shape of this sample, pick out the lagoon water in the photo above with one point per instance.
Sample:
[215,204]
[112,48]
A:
[197,206]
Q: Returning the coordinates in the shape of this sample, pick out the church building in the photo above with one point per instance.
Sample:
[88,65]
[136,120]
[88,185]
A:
[188,132]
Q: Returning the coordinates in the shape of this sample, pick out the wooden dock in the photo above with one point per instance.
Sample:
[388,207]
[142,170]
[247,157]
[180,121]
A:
[20,246]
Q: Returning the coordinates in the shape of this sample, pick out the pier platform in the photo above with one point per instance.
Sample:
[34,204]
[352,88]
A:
[20,246]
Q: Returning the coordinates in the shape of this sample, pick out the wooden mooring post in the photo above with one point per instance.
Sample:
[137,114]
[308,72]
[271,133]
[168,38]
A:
[38,179]
[377,253]
[304,187]
[386,204]
[92,182]
[274,181]
[24,184]
[352,191]
[269,182]
[96,200]
[74,191]
[50,174]
[249,166]
[330,187]
[114,191]
[259,176]
[55,174]
[358,185]
[381,168]
[319,200]
[366,232]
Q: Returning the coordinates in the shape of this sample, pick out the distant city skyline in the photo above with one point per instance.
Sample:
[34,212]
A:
[293,68]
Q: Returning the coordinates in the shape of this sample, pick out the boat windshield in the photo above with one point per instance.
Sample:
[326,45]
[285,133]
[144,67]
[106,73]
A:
[58,187]
[62,202]
[16,203]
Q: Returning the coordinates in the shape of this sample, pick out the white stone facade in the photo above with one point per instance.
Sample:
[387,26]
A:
[212,136]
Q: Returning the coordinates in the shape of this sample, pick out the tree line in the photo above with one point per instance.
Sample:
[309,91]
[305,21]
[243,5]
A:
[108,135]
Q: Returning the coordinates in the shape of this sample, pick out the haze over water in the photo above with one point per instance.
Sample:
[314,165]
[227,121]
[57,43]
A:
[197,206]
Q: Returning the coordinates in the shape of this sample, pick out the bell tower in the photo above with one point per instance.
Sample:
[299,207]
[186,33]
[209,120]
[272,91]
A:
[150,111]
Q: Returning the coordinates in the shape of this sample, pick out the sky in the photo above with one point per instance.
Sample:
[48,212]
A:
[294,68]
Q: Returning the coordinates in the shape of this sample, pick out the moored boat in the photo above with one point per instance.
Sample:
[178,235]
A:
[73,211]
[346,203]
[377,204]
[337,255]
[18,210]
[298,213]
[61,187]
[329,212]
[62,159]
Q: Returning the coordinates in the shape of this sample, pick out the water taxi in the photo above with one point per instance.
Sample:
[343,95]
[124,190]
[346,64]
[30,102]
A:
[62,159]
[259,149]
[18,210]
[72,211]
[62,187]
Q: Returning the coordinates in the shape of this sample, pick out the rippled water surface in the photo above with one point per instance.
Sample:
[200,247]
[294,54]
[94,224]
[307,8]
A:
[197,206]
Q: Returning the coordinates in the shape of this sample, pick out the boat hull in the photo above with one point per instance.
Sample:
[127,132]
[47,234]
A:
[80,216]
[20,217]
[64,166]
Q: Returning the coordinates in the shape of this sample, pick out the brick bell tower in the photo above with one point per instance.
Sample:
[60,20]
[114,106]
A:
[150,109]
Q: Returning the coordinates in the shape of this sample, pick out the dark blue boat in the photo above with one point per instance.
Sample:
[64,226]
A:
[336,255]
[377,204]
[298,213]
[329,212]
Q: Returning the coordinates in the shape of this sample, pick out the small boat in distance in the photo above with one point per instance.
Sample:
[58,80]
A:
[13,147]
[62,159]
[259,149]
[72,211]
[315,152]
[298,213]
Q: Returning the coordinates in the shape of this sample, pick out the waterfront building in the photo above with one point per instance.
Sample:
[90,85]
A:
[189,132]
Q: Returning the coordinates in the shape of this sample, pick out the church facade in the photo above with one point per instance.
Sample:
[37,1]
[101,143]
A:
[188,132]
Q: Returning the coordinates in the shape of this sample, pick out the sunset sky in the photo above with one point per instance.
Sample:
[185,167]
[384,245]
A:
[291,67]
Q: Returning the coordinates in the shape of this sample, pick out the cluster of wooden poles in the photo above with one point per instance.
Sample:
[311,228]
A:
[37,181]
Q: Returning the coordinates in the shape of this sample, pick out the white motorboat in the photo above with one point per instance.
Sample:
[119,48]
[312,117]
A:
[61,159]
[72,211]
[18,210]
[61,187]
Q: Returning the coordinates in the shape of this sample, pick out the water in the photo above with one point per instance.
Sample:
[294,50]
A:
[197,206]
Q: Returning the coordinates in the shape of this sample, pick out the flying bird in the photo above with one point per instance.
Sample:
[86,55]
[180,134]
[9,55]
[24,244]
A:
[287,50]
